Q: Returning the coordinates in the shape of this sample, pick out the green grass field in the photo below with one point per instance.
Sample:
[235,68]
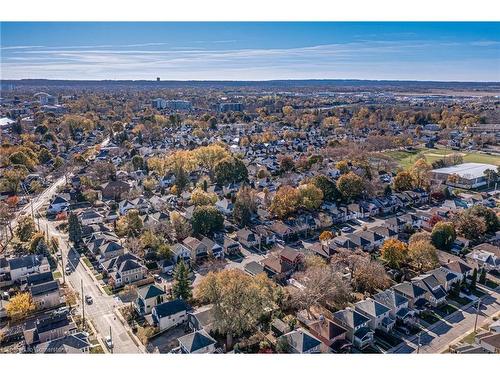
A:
[407,158]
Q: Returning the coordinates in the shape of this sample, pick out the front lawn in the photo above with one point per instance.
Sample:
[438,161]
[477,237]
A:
[445,310]
[429,317]
[387,338]
[491,284]
[56,275]
[462,301]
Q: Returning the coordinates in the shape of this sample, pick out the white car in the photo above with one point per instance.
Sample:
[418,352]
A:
[108,342]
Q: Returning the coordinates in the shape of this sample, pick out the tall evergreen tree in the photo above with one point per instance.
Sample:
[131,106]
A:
[182,284]
[474,280]
[74,229]
[482,276]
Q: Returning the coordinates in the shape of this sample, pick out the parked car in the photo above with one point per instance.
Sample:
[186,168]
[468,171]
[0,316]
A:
[89,300]
[157,278]
[108,342]
[346,229]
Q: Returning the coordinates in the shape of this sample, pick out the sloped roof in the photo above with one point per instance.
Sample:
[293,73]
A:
[195,341]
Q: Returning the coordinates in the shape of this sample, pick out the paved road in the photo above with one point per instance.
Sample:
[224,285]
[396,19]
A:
[101,311]
[438,336]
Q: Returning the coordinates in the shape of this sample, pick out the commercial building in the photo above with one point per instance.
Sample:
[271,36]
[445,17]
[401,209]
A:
[466,175]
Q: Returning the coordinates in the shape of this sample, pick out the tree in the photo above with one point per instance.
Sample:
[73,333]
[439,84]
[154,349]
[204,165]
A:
[130,224]
[201,198]
[434,220]
[394,252]
[403,181]
[421,173]
[369,276]
[470,226]
[326,236]
[342,166]
[12,178]
[423,255]
[74,229]
[328,187]
[181,287]
[208,156]
[245,206]
[138,162]
[20,306]
[321,285]
[239,300]
[283,346]
[180,227]
[473,281]
[482,276]
[286,163]
[25,229]
[285,202]
[311,197]
[207,220]
[230,170]
[489,216]
[350,185]
[491,176]
[443,235]
[348,259]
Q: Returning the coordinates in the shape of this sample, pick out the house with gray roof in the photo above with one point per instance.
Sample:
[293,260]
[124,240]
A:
[197,342]
[378,313]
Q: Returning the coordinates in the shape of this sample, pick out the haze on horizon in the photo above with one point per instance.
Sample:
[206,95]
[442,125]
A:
[440,51]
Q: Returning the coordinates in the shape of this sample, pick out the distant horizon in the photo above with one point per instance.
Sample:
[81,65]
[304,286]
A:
[248,80]
[251,51]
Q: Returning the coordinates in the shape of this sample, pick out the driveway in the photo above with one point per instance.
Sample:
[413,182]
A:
[437,337]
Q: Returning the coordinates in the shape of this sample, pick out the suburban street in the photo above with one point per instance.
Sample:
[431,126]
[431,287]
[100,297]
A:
[438,336]
[102,311]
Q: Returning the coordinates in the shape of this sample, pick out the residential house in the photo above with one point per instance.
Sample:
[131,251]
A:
[225,206]
[114,190]
[45,295]
[59,204]
[197,342]
[213,248]
[28,264]
[148,296]
[230,246]
[397,303]
[248,238]
[356,325]
[331,334]
[378,313]
[435,294]
[412,292]
[90,216]
[75,343]
[170,314]
[197,248]
[124,269]
[301,341]
[47,328]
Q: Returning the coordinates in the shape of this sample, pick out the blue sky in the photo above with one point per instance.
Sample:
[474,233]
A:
[251,51]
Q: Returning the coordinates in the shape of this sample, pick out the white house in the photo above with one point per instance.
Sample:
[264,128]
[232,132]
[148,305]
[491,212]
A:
[170,314]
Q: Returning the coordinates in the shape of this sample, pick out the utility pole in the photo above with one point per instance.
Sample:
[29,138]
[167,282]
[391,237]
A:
[477,313]
[83,305]
[111,340]
[418,343]
[62,265]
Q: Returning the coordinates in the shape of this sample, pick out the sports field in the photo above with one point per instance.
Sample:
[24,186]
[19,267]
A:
[407,158]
